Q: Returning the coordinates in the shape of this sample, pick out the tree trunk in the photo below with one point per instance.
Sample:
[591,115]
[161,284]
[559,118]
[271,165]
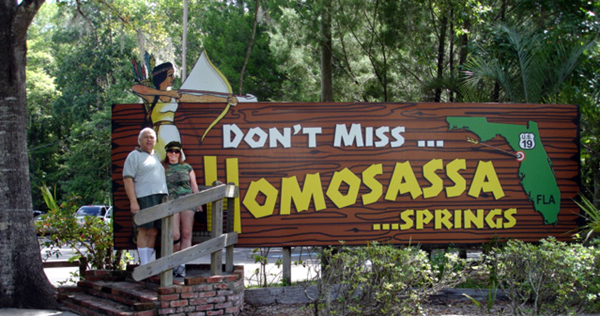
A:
[441,50]
[249,49]
[326,54]
[23,283]
[184,42]
[462,55]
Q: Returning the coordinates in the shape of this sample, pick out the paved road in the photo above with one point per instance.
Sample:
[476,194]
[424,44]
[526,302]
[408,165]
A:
[32,312]
[241,256]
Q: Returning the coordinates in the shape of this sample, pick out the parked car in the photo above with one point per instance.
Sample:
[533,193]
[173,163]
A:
[102,211]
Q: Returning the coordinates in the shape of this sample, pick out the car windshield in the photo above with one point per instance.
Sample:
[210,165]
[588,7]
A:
[88,210]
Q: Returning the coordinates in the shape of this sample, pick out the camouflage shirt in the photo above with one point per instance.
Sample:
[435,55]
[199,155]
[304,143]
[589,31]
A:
[178,180]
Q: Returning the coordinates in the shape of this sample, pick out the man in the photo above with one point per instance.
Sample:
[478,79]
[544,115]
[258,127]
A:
[146,186]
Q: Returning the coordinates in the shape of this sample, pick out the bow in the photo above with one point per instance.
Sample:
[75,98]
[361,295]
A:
[225,110]
[206,75]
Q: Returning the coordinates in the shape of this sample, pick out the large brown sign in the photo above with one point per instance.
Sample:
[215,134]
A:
[321,173]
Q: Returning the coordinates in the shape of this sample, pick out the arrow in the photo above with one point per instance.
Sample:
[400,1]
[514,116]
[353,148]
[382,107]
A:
[476,142]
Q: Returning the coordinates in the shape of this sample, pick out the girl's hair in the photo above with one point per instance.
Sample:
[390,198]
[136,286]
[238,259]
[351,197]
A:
[166,162]
[159,74]
[173,145]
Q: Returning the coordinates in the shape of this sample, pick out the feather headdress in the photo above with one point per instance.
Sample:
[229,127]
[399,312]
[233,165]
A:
[143,75]
[141,71]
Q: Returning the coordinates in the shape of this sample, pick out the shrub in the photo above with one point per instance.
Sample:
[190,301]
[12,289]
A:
[92,242]
[383,280]
[549,278]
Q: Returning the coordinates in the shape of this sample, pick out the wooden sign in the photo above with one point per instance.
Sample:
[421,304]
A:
[429,173]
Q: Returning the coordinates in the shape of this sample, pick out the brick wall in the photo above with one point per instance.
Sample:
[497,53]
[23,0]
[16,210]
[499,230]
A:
[204,296]
[195,296]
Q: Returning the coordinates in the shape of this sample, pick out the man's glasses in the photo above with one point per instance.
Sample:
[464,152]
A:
[177,151]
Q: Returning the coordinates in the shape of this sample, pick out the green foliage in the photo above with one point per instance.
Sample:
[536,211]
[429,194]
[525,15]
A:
[383,280]
[79,64]
[91,242]
[490,300]
[269,274]
[527,67]
[550,278]
[262,275]
[87,166]
[592,216]
[79,57]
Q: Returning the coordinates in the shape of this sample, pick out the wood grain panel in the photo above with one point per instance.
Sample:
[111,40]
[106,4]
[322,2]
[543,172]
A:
[359,223]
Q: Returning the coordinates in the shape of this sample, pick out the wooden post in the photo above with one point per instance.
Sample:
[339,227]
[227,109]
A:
[216,258]
[166,239]
[214,246]
[229,250]
[286,254]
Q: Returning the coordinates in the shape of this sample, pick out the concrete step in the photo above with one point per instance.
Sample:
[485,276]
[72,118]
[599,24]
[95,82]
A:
[134,295]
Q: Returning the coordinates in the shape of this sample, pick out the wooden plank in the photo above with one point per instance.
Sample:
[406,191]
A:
[179,205]
[361,222]
[60,264]
[216,258]
[183,256]
[166,277]
[229,259]
[232,191]
[230,214]
[286,255]
[229,250]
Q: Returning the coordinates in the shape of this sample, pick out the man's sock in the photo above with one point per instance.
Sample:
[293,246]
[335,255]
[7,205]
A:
[142,255]
[150,253]
[145,255]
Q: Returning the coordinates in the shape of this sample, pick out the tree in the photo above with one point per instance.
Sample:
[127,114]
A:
[326,54]
[18,243]
[528,68]
[80,59]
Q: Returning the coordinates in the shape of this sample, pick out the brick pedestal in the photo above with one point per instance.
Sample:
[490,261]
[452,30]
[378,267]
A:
[116,293]
[204,296]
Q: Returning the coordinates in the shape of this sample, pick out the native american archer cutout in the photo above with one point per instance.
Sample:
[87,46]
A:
[206,84]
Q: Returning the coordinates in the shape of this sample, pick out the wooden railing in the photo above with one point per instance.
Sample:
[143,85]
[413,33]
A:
[219,240]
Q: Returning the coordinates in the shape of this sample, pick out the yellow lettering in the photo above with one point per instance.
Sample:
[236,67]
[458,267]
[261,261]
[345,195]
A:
[403,181]
[368,178]
[460,185]
[437,184]
[261,186]
[406,217]
[458,219]
[423,218]
[443,217]
[333,191]
[290,190]
[210,176]
[470,218]
[489,218]
[486,180]
[508,215]
[233,176]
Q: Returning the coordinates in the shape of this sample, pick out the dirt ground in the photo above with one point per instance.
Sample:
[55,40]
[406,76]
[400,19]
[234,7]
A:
[461,308]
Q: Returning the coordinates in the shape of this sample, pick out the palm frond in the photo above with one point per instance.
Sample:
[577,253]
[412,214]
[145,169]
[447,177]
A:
[526,46]
[49,198]
[592,216]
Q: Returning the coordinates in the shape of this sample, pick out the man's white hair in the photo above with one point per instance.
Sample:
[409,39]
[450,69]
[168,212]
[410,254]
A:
[144,131]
